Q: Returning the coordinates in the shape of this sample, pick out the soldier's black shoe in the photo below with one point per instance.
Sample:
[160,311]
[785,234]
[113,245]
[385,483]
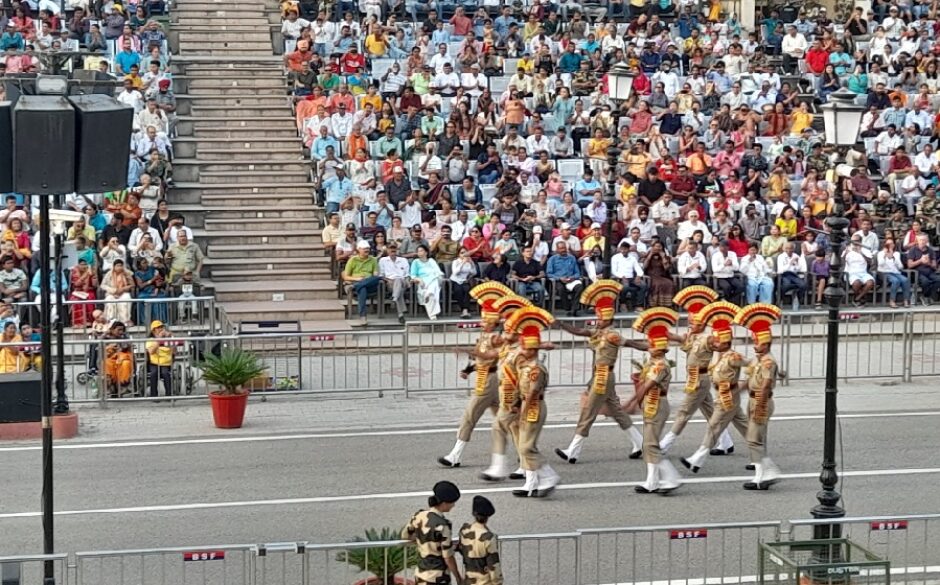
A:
[488,477]
[444,461]
[543,493]
[515,475]
[720,452]
[636,454]
[750,467]
[756,486]
[689,466]
[525,493]
[641,489]
[561,453]
[665,491]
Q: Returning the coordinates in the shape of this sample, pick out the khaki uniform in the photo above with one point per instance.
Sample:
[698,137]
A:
[485,389]
[725,373]
[601,391]
[761,375]
[506,423]
[698,384]
[655,406]
[433,538]
[480,552]
[533,378]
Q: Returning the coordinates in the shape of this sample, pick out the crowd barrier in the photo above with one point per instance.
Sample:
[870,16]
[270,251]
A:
[429,356]
[702,554]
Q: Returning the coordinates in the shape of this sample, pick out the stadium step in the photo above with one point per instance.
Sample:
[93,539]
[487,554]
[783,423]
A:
[202,122]
[220,148]
[263,291]
[310,310]
[250,96]
[241,172]
[302,225]
[302,247]
[251,152]
[274,131]
[253,238]
[271,86]
[234,112]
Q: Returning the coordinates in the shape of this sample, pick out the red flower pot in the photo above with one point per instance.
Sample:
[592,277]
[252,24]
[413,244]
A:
[228,410]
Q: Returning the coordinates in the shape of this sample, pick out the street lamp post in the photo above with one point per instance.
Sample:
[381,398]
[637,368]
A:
[841,117]
[619,86]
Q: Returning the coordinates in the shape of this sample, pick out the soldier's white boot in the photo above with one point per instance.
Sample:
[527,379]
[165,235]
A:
[725,442]
[530,487]
[497,471]
[637,439]
[652,480]
[669,478]
[666,443]
[573,451]
[770,473]
[452,459]
[695,462]
[547,480]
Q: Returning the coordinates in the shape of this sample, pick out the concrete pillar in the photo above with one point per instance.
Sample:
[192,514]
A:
[748,14]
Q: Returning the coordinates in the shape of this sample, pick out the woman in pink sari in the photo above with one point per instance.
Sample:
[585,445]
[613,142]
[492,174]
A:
[83,285]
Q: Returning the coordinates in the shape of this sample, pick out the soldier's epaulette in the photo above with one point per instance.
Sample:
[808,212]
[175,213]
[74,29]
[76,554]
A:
[613,338]
[486,536]
[767,360]
[736,355]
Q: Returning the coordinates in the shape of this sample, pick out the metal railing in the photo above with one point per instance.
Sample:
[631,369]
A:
[643,555]
[428,356]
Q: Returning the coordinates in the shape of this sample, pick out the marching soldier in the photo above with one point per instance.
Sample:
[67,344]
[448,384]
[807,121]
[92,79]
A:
[506,426]
[540,478]
[698,346]
[605,342]
[485,389]
[432,533]
[661,476]
[761,374]
[478,547]
[724,373]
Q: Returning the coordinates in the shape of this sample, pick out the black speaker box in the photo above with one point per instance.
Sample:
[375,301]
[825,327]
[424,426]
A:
[103,143]
[44,145]
[20,398]
[6,148]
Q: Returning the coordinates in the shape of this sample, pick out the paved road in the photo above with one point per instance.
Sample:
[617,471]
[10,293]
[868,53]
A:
[328,488]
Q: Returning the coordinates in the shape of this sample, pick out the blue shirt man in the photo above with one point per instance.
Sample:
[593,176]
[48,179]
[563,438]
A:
[319,146]
[337,189]
[585,188]
[570,61]
[126,59]
[562,269]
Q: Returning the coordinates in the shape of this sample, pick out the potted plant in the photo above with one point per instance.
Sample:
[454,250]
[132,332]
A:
[384,562]
[230,370]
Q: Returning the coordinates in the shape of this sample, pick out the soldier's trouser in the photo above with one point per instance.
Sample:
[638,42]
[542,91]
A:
[529,436]
[653,430]
[757,432]
[595,402]
[701,399]
[478,405]
[721,418]
[505,425]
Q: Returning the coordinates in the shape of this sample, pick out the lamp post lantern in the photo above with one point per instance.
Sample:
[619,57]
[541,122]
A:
[619,86]
[841,117]
[620,82]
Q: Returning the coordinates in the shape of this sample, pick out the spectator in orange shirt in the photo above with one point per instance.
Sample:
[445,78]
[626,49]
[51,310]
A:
[356,141]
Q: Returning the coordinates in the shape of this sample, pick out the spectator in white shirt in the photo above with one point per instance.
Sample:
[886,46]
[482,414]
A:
[645,224]
[537,141]
[692,225]
[926,162]
[794,48]
[446,82]
[856,269]
[341,122]
[891,269]
[143,227]
[636,243]
[760,287]
[725,270]
[868,236]
[474,82]
[395,271]
[625,267]
[888,141]
[692,266]
[792,270]
[911,189]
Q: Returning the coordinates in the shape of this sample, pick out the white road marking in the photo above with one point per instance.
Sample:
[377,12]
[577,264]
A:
[421,494]
[483,427]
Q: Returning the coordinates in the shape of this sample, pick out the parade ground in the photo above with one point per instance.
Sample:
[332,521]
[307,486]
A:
[323,470]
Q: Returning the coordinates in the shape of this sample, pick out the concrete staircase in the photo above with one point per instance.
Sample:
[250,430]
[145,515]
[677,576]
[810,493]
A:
[241,179]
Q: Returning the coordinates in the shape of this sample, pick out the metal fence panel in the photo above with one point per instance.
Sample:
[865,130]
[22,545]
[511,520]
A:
[216,565]
[29,569]
[910,543]
[665,554]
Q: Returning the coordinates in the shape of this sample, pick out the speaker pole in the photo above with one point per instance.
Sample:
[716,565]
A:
[45,310]
[61,400]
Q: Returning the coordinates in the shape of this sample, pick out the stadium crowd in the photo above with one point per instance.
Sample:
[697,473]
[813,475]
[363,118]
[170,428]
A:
[129,245]
[455,143]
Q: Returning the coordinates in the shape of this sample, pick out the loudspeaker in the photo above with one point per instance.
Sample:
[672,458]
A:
[103,143]
[43,145]
[6,148]
[20,398]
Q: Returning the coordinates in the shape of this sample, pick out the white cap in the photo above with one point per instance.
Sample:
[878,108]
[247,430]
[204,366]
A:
[565,226]
[595,226]
[363,245]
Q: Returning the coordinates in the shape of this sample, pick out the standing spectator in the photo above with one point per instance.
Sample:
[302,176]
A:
[856,270]
[183,256]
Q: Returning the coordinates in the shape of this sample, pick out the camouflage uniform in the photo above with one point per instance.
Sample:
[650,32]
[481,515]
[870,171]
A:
[485,391]
[480,552]
[433,538]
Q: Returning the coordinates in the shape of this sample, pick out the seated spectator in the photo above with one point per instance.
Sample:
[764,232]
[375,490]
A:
[658,267]
[692,266]
[725,270]
[427,277]
[183,256]
[83,287]
[792,270]
[361,276]
[12,359]
[626,268]
[118,284]
[463,271]
[395,271]
[563,272]
[759,285]
[891,268]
